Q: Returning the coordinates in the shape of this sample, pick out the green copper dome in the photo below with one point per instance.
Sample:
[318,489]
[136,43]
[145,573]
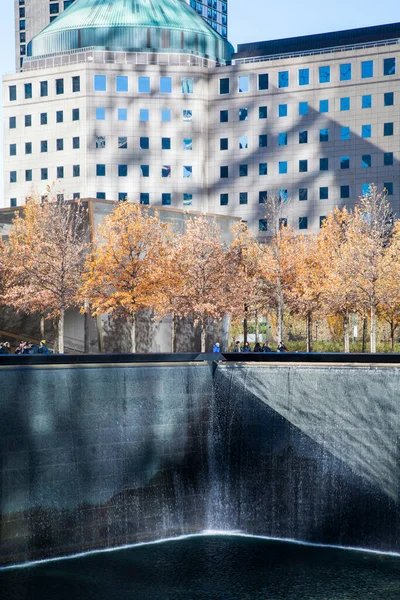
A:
[131,26]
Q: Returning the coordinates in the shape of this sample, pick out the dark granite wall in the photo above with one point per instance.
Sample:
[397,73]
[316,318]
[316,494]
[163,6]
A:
[101,456]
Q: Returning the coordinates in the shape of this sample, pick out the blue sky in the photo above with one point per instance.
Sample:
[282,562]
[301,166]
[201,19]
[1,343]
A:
[255,20]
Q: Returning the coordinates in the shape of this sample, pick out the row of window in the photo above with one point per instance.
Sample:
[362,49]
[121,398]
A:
[303,107]
[101,171]
[345,73]
[44,88]
[302,223]
[100,142]
[143,84]
[144,198]
[44,146]
[43,118]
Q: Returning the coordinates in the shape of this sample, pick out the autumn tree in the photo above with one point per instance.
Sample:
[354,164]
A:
[45,259]
[128,262]
[388,308]
[203,276]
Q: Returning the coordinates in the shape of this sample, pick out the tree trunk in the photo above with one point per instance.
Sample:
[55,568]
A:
[364,334]
[55,332]
[100,341]
[257,326]
[245,324]
[60,332]
[133,334]
[279,332]
[346,332]
[392,331]
[42,327]
[373,329]
[173,333]
[309,332]
[86,341]
[226,329]
[203,335]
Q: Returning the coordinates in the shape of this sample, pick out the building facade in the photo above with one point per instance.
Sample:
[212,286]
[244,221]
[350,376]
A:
[32,16]
[176,120]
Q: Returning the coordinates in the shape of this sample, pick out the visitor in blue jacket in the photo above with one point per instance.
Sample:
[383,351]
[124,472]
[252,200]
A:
[216,347]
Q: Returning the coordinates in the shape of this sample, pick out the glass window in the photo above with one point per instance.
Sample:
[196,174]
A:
[187,199]
[13,176]
[100,170]
[144,143]
[76,83]
[100,114]
[262,112]
[121,83]
[388,159]
[144,114]
[122,142]
[75,114]
[224,172]
[13,149]
[263,225]
[366,101]
[28,120]
[243,114]
[144,170]
[12,92]
[144,198]
[283,79]
[262,197]
[389,66]
[321,221]
[59,116]
[243,142]
[223,199]
[243,170]
[365,189]
[366,161]
[223,116]
[345,162]
[303,222]
[283,168]
[303,166]
[303,137]
[122,196]
[324,106]
[366,131]
[165,115]
[344,103]
[166,199]
[165,85]
[28,175]
[165,143]
[263,140]
[323,193]
[303,194]
[12,122]
[28,147]
[282,110]
[43,174]
[28,91]
[367,69]
[122,114]
[75,143]
[223,144]
[166,171]
[304,76]
[59,144]
[388,99]
[187,171]
[323,164]
[242,197]
[43,118]
[345,191]
[44,89]
[263,169]
[144,85]
[187,85]
[100,141]
[187,144]
[263,81]
[345,133]
[59,86]
[324,135]
[388,129]
[101,195]
[324,74]
[345,72]
[243,83]
[43,146]
[54,8]
[224,85]
[303,108]
[389,188]
[76,170]
[187,115]
[282,139]
[13,202]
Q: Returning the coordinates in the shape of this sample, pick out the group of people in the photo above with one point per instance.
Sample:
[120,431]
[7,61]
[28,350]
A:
[25,348]
[258,348]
